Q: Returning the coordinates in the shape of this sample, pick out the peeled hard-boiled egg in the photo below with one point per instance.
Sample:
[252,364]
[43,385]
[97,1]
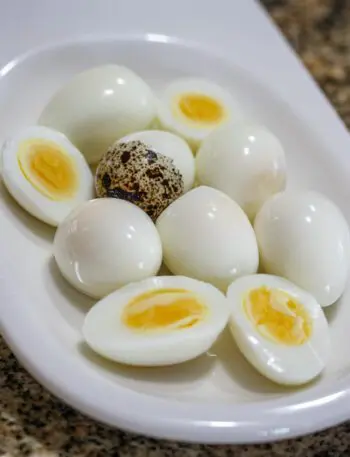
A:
[304,237]
[279,328]
[207,236]
[99,106]
[192,108]
[45,173]
[170,145]
[105,244]
[244,160]
[159,321]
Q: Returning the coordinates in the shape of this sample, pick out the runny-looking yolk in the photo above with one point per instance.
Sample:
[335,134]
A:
[164,309]
[48,168]
[200,108]
[278,316]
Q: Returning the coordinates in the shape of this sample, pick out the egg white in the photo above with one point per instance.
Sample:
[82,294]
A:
[206,235]
[172,146]
[26,194]
[244,160]
[99,106]
[106,333]
[170,117]
[283,364]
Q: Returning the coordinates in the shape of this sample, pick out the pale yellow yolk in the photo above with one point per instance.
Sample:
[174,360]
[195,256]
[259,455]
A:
[48,168]
[278,316]
[200,108]
[164,309]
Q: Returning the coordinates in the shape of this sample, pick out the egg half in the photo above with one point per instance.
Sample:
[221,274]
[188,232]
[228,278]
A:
[192,108]
[279,328]
[162,320]
[45,173]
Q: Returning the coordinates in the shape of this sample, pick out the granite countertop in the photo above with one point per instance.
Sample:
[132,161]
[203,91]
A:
[34,423]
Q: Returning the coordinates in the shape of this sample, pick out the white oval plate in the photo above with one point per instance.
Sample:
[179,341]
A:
[218,397]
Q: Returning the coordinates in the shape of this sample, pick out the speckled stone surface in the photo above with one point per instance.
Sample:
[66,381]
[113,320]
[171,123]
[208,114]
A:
[33,423]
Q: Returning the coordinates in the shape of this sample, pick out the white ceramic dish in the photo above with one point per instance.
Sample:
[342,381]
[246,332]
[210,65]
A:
[218,397]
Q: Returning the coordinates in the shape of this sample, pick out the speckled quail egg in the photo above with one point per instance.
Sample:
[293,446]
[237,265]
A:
[134,172]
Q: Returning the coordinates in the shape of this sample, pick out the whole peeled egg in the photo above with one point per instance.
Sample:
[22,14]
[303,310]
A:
[99,106]
[304,237]
[107,243]
[206,235]
[244,160]
[135,172]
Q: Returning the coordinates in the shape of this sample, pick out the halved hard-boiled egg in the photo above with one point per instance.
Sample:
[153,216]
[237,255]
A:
[159,321]
[279,328]
[192,108]
[45,173]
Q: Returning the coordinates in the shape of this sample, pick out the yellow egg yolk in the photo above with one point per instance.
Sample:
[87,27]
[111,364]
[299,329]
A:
[278,316]
[48,168]
[164,309]
[200,108]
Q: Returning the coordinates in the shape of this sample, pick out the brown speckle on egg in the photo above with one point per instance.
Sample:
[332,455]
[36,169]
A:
[134,172]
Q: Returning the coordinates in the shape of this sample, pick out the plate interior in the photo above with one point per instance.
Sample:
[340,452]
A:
[222,375]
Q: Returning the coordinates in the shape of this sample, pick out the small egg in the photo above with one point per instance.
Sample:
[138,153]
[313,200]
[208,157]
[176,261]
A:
[279,328]
[304,237]
[245,161]
[171,146]
[45,173]
[192,108]
[163,320]
[134,172]
[206,235]
[107,243]
[99,106]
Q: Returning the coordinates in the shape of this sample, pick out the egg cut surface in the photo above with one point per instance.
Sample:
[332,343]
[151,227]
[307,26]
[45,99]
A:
[99,106]
[162,320]
[192,108]
[304,237]
[279,328]
[107,243]
[206,235]
[170,145]
[244,160]
[45,173]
